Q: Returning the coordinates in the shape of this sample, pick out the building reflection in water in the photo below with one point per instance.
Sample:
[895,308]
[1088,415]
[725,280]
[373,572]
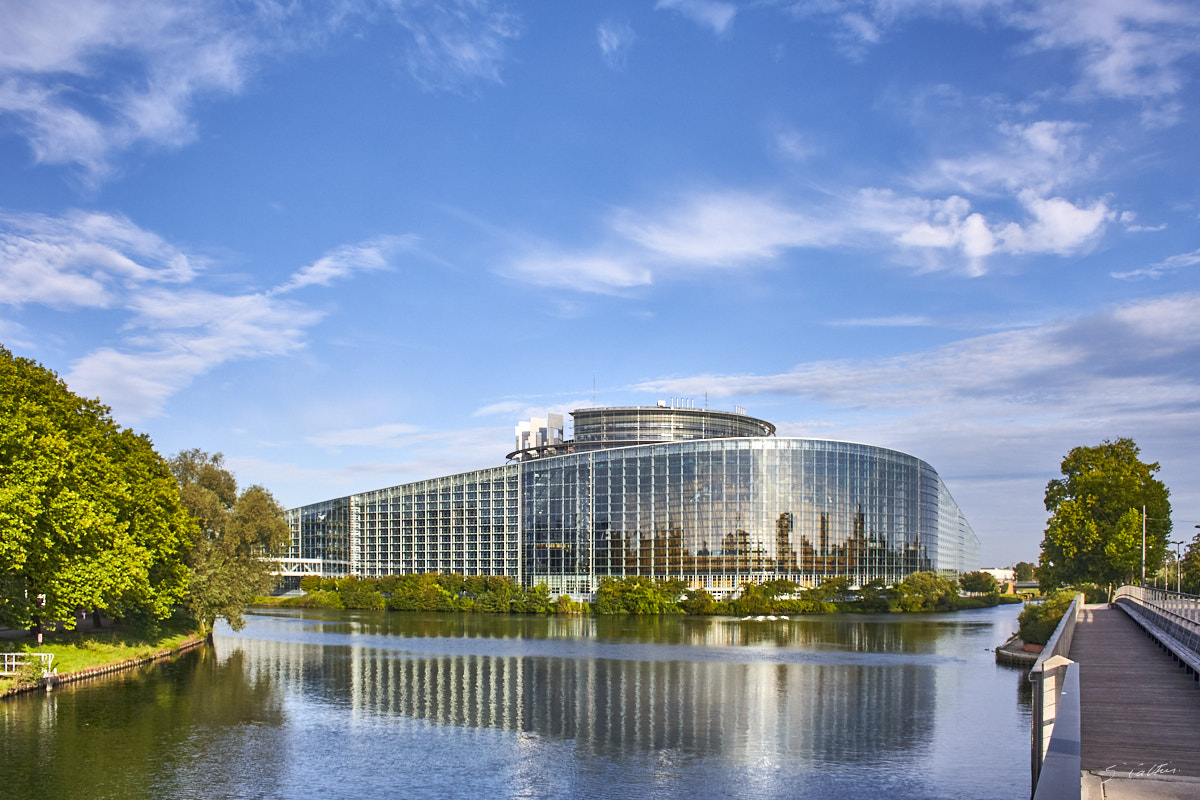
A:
[740,712]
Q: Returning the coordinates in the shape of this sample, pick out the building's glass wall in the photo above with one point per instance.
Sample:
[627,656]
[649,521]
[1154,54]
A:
[320,538]
[715,513]
[467,523]
[718,513]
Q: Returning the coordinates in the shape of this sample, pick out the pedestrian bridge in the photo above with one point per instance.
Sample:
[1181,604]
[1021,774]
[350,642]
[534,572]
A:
[1117,702]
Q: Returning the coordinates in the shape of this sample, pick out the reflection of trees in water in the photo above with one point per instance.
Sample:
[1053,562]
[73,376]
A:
[115,736]
[859,633]
[816,712]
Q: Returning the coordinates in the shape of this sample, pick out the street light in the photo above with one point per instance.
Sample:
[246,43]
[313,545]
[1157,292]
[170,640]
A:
[1178,568]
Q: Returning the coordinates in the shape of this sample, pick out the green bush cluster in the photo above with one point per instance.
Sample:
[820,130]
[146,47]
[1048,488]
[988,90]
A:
[922,591]
[431,591]
[1038,621]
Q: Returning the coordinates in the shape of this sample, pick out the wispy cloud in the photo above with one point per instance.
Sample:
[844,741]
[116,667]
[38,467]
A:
[997,412]
[174,331]
[1130,357]
[615,38]
[1127,49]
[1167,265]
[83,259]
[738,229]
[453,42]
[373,254]
[709,13]
[163,58]
[896,321]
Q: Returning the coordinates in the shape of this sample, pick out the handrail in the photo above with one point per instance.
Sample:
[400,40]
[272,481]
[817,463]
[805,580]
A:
[1172,618]
[10,663]
[1059,777]
[1049,673]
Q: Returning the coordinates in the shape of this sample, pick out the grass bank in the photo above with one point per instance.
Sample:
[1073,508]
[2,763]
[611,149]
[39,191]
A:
[88,647]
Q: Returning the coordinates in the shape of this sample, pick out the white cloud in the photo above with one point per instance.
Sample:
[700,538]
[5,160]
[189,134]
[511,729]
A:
[742,229]
[1041,157]
[581,272]
[615,38]
[161,55]
[710,13]
[373,254]
[1131,357]
[173,331]
[895,321]
[1125,48]
[453,42]
[1058,226]
[721,228]
[83,259]
[158,59]
[1172,264]
[794,146]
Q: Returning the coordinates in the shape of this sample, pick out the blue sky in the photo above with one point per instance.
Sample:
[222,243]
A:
[351,244]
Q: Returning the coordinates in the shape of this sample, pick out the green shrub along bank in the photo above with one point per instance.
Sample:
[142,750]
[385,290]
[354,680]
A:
[921,591]
[1038,621]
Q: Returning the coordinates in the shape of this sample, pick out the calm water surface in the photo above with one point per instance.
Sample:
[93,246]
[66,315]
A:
[367,705]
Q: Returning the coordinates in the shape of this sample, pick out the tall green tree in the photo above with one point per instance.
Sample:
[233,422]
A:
[89,515]
[238,536]
[1094,534]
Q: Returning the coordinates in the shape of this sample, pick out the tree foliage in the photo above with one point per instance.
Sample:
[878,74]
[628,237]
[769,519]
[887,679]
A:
[1094,533]
[926,591]
[979,583]
[1024,571]
[90,515]
[237,537]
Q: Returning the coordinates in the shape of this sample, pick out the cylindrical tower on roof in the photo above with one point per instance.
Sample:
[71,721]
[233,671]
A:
[602,428]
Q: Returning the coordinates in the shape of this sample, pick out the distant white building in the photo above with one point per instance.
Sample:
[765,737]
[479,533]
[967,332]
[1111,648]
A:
[1002,575]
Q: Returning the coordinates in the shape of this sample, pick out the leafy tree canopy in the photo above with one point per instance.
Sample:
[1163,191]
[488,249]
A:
[979,582]
[238,536]
[1094,534]
[90,515]
[1024,571]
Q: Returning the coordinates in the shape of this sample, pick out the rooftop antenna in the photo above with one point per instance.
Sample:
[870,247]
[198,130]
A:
[593,388]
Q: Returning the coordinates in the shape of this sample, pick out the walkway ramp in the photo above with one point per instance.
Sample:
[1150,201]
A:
[1139,711]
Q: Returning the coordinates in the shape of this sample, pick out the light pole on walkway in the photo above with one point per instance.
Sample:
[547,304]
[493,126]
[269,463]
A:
[1178,566]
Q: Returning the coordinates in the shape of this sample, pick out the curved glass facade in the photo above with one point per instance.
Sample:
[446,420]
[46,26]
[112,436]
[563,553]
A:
[715,512]
[722,512]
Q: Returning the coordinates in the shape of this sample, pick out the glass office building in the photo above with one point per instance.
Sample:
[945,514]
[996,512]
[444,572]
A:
[713,498]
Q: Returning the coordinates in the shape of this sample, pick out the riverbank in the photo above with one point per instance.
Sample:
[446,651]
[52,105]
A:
[91,652]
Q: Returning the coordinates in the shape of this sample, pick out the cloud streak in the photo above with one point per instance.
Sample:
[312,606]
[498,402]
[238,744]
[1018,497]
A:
[174,330]
[164,58]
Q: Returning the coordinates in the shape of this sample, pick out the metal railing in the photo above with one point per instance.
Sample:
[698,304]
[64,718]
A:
[11,663]
[1170,617]
[1055,726]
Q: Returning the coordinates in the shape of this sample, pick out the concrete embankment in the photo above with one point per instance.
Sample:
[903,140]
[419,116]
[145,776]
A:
[1013,652]
[103,669]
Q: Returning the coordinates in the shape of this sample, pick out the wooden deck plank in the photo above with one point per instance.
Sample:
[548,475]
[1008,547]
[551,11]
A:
[1138,709]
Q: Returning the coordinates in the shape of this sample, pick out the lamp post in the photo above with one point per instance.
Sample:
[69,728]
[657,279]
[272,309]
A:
[1178,566]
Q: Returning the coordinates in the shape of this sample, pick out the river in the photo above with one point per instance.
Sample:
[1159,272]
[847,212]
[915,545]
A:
[363,705]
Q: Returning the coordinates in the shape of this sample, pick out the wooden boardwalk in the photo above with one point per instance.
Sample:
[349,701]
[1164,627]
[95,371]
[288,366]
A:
[1138,709]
